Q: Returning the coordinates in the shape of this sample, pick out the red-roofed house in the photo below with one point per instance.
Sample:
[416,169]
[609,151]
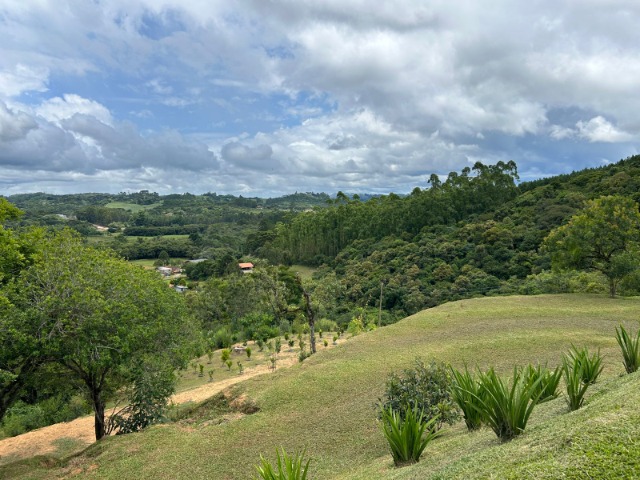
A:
[246,267]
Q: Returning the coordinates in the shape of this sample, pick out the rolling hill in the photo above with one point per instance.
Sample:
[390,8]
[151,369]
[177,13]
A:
[327,405]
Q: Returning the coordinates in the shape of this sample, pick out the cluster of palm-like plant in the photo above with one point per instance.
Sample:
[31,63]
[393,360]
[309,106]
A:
[467,392]
[580,370]
[506,407]
[630,347]
[547,387]
[576,388]
[286,468]
[590,366]
[408,433]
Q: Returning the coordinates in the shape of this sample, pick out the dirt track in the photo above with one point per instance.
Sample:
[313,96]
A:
[43,441]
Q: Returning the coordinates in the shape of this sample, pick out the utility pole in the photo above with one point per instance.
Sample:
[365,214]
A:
[380,307]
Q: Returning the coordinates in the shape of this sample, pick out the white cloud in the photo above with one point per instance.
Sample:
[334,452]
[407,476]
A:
[241,155]
[22,78]
[559,132]
[333,93]
[14,125]
[57,109]
[598,129]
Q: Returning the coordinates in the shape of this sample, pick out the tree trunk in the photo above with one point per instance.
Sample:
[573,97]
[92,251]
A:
[311,319]
[612,287]
[98,409]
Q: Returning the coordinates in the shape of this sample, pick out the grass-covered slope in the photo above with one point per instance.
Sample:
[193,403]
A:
[326,405]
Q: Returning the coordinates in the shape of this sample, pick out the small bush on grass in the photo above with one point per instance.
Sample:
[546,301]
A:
[148,401]
[286,468]
[467,392]
[408,434]
[630,347]
[425,387]
[590,366]
[506,409]
[574,381]
[549,380]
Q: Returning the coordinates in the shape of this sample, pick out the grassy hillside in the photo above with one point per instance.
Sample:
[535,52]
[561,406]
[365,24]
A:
[326,405]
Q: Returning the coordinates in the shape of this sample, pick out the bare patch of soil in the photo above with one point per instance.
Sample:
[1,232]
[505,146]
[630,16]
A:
[43,441]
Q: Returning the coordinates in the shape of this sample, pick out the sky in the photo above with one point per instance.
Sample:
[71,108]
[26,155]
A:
[269,97]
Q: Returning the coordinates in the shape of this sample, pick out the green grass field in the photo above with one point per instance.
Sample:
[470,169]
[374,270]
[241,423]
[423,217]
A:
[326,405]
[132,207]
[305,272]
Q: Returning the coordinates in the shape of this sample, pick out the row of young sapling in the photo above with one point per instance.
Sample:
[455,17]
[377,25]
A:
[274,347]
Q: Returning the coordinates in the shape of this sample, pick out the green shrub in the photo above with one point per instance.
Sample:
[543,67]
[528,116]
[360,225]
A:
[574,382]
[408,434]
[547,386]
[356,326]
[467,392]
[21,418]
[423,387]
[222,338]
[148,400]
[590,366]
[326,325]
[506,409]
[286,468]
[225,355]
[630,347]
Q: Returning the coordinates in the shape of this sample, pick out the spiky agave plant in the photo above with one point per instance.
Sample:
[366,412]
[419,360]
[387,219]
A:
[467,392]
[286,468]
[549,381]
[630,347]
[575,385]
[408,434]
[590,365]
[507,408]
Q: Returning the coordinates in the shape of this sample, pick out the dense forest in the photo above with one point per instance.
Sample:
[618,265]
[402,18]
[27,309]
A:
[478,232]
[322,263]
[475,232]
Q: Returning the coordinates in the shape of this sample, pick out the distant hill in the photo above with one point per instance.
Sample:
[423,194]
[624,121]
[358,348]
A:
[478,232]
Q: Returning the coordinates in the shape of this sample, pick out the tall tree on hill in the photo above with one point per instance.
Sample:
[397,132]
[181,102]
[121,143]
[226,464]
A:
[604,236]
[97,316]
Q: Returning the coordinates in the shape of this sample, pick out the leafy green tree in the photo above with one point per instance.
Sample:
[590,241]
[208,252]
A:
[604,236]
[96,315]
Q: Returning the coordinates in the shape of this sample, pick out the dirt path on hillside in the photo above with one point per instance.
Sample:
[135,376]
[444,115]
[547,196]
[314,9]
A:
[80,433]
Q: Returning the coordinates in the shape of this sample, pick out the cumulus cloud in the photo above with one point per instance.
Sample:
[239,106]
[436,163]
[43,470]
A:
[56,109]
[14,125]
[316,95]
[598,129]
[22,78]
[60,137]
[243,156]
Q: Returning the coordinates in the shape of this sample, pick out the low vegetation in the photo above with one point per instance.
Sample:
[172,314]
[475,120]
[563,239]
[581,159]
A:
[408,433]
[286,467]
[630,347]
[326,403]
